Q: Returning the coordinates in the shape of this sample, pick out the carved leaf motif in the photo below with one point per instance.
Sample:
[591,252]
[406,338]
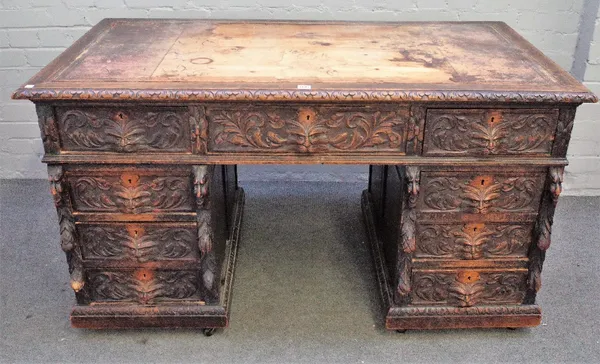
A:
[431,287]
[458,290]
[458,132]
[308,131]
[143,288]
[106,129]
[111,194]
[491,195]
[504,287]
[473,241]
[142,245]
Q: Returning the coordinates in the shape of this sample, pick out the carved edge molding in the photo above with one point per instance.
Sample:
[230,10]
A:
[208,259]
[48,128]
[68,233]
[566,117]
[199,127]
[430,311]
[408,233]
[543,230]
[287,95]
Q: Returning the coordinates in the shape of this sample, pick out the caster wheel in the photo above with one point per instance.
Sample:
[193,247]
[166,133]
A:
[511,328]
[402,331]
[209,331]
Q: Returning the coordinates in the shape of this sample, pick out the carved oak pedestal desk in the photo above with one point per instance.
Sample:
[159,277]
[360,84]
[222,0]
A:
[465,127]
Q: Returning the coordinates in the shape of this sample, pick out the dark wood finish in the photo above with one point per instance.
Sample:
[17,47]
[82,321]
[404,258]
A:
[465,127]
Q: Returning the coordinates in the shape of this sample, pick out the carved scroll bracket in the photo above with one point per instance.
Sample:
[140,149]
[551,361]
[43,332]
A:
[408,232]
[68,233]
[543,231]
[208,262]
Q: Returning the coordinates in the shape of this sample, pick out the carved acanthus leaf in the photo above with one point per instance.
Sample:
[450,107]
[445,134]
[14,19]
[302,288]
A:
[123,130]
[307,130]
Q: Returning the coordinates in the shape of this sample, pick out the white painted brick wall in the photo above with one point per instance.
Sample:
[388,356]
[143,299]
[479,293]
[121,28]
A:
[582,176]
[35,31]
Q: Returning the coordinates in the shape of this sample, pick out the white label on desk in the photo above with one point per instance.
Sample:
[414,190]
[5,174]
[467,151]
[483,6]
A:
[304,87]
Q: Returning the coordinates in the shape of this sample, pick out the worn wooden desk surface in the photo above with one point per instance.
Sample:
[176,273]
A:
[268,60]
[465,127]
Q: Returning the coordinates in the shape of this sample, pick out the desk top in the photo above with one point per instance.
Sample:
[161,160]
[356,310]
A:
[131,59]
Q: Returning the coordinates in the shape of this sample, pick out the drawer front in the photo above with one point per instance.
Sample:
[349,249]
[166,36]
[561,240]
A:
[467,288]
[302,129]
[124,129]
[480,192]
[139,242]
[131,190]
[479,132]
[473,241]
[144,286]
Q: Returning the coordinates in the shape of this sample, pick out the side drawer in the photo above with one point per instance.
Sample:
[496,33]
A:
[124,129]
[138,242]
[480,191]
[471,241]
[307,129]
[131,190]
[144,286]
[480,132]
[465,288]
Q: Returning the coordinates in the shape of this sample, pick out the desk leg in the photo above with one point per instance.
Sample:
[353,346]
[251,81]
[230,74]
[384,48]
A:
[219,216]
[391,219]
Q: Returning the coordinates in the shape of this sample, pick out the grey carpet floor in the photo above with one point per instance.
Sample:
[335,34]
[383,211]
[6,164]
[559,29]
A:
[304,291]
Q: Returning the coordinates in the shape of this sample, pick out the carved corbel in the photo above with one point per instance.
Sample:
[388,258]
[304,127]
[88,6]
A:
[408,232]
[566,118]
[48,128]
[68,232]
[208,264]
[543,230]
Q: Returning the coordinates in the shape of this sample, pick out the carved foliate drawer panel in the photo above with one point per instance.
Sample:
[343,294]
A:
[139,242]
[300,129]
[144,286]
[473,241]
[480,192]
[131,190]
[466,288]
[477,132]
[125,129]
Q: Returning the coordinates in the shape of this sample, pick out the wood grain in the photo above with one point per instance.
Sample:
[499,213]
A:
[256,60]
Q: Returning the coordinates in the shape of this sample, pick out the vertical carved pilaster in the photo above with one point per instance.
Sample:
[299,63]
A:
[199,129]
[543,230]
[48,129]
[414,140]
[407,233]
[208,263]
[68,233]
[566,117]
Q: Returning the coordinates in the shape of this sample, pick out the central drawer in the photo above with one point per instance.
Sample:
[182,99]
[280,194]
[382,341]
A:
[307,129]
